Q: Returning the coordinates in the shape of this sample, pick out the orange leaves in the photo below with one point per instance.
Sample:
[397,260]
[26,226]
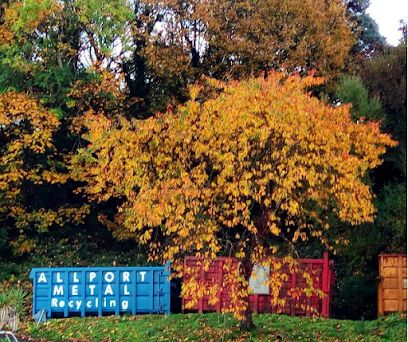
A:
[262,160]
[261,141]
[100,94]
[10,17]
[26,128]
[28,160]
[16,110]
[21,18]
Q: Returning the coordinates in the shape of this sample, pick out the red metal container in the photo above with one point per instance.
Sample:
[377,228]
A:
[323,279]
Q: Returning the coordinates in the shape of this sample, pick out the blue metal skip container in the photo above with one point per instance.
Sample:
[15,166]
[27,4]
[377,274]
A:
[83,291]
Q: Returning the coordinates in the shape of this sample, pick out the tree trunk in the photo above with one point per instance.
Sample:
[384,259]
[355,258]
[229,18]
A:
[247,323]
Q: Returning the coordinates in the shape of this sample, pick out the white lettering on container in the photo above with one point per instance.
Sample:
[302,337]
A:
[92,276]
[126,290]
[125,304]
[108,290]
[92,289]
[142,275]
[109,277]
[76,279]
[58,290]
[126,276]
[59,279]
[74,290]
[42,278]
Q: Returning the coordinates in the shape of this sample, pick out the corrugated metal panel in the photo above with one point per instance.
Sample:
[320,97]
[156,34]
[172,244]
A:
[81,291]
[392,288]
[323,277]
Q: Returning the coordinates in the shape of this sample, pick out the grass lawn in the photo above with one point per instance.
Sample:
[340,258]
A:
[215,327]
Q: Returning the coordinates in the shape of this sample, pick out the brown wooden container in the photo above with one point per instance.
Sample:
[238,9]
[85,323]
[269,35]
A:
[392,288]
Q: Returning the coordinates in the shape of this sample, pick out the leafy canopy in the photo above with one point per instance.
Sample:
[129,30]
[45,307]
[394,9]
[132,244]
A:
[28,162]
[259,161]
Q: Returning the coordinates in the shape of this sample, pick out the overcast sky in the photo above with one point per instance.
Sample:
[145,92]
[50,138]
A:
[387,14]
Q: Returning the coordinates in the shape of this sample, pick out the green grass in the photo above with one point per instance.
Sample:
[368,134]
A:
[214,327]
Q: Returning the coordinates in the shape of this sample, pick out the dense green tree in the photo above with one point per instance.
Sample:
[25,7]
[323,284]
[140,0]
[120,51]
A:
[383,96]
[352,90]
[385,77]
[368,38]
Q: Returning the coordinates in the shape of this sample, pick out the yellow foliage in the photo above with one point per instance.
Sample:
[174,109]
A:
[237,38]
[28,159]
[21,18]
[220,175]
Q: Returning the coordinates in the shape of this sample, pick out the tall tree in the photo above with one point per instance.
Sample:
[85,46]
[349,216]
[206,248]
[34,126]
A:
[182,40]
[385,77]
[383,96]
[47,49]
[162,46]
[259,162]
[368,38]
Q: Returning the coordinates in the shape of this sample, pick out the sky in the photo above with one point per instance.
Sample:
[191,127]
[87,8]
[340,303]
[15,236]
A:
[387,14]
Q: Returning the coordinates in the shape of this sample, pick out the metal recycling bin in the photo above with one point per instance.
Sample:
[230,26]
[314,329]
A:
[83,291]
[260,300]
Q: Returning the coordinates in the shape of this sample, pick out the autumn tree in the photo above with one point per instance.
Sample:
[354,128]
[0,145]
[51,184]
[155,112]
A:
[51,55]
[162,46]
[258,162]
[178,41]
[30,172]
[46,45]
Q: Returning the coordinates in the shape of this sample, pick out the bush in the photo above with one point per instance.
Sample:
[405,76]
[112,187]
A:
[15,297]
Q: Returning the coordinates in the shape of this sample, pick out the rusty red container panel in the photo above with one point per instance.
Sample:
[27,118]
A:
[323,279]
